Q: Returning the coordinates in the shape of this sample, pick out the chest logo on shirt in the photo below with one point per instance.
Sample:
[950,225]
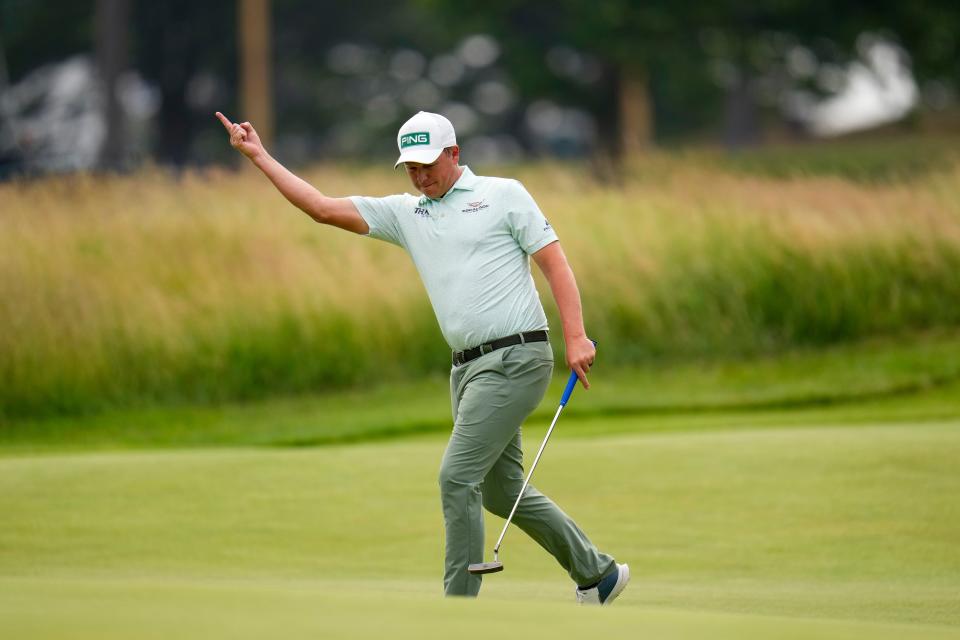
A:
[420,211]
[473,207]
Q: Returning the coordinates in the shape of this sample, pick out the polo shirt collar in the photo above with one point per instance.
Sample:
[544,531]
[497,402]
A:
[465,182]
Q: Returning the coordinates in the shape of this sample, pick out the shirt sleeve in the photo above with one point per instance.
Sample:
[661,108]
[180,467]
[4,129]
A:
[528,225]
[380,215]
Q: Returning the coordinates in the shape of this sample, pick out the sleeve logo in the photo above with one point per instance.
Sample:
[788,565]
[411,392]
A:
[414,139]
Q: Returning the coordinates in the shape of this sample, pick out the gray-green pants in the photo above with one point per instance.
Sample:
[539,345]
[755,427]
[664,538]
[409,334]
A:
[483,466]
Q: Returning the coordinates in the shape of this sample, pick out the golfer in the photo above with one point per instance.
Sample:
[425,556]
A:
[470,237]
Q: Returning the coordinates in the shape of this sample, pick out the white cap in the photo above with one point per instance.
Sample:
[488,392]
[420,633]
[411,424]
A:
[423,138]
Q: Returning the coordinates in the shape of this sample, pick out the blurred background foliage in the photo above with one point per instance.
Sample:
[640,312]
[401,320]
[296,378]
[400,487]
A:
[520,79]
[728,181]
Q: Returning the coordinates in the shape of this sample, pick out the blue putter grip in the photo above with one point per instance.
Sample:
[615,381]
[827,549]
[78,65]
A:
[571,384]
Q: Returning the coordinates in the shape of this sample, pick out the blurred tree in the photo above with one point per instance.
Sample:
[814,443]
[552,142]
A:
[256,92]
[324,107]
[812,39]
[636,43]
[37,33]
[112,21]
[928,30]
[667,64]
[189,50]
[658,71]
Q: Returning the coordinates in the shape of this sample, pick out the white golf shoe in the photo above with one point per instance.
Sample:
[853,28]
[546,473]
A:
[607,590]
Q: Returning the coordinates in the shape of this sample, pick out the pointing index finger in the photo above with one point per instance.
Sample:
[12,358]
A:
[226,122]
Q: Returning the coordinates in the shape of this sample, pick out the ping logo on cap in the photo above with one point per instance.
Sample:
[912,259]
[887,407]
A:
[414,139]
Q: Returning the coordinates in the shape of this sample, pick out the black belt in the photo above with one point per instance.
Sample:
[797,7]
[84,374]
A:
[463,357]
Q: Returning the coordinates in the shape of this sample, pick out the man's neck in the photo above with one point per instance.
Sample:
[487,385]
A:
[459,173]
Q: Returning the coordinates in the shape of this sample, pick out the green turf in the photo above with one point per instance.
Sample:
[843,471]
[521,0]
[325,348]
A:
[268,609]
[842,531]
[873,381]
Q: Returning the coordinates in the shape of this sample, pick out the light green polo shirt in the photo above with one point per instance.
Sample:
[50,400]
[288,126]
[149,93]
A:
[471,248]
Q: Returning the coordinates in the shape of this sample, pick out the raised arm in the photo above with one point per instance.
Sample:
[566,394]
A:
[580,352]
[338,212]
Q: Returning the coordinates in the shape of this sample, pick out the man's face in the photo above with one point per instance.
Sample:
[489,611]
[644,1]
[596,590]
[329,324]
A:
[435,179]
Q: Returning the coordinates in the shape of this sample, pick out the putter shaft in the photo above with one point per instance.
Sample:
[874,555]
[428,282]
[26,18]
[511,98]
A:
[483,567]
[543,444]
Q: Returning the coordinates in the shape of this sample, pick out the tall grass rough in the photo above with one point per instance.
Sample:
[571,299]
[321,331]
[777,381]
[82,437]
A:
[206,287]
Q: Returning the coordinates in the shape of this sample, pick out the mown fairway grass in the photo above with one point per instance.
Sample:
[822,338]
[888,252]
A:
[843,531]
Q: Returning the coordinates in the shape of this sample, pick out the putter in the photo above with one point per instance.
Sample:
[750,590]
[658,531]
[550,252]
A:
[495,566]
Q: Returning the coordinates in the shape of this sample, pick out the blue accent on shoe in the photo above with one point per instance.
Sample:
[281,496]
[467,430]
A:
[607,584]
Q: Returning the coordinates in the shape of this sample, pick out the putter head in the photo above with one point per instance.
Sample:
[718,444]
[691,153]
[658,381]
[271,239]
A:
[485,567]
